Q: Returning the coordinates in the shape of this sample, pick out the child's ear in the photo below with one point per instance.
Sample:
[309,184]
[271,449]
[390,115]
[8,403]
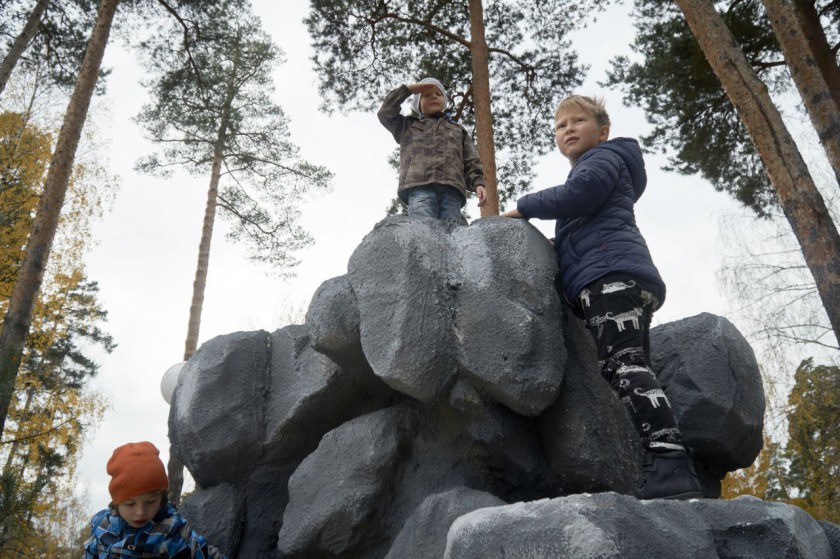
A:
[605,133]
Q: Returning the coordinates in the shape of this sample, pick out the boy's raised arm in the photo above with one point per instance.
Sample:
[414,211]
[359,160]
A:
[389,113]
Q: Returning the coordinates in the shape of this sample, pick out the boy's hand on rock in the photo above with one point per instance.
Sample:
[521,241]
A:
[512,213]
[481,192]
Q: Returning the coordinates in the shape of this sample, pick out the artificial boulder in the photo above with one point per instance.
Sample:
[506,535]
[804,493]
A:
[441,371]
[609,525]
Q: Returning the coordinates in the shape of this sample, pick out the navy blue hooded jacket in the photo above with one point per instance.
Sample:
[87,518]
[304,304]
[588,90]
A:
[596,230]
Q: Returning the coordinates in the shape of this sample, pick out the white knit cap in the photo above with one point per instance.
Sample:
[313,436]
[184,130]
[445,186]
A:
[415,102]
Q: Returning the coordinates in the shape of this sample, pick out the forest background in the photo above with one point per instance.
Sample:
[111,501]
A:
[141,235]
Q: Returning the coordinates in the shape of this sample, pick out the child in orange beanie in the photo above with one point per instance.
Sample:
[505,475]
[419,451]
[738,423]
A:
[140,522]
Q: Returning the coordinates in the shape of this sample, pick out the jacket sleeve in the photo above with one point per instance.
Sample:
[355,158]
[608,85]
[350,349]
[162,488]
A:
[587,188]
[473,169]
[184,543]
[389,113]
[98,524]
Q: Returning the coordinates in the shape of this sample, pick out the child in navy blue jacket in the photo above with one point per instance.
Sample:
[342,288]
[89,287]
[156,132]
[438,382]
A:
[609,279]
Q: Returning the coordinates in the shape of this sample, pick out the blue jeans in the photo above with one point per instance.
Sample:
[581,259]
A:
[434,200]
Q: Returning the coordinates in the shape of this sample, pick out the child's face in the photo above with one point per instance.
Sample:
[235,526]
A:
[432,103]
[140,509]
[576,131]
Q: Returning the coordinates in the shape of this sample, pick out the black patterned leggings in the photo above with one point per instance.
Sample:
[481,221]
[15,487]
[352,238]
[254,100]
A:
[618,309]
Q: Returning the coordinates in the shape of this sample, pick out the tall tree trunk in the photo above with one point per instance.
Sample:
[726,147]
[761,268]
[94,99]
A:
[200,282]
[826,58]
[800,200]
[21,42]
[175,467]
[808,77]
[483,115]
[19,313]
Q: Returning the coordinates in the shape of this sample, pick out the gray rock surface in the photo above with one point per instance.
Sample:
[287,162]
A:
[217,413]
[337,489]
[588,438]
[424,534]
[309,394]
[443,360]
[218,511]
[711,377]
[472,286]
[832,532]
[609,525]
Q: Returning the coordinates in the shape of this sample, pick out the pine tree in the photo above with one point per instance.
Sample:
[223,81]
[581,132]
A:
[365,49]
[813,447]
[212,113]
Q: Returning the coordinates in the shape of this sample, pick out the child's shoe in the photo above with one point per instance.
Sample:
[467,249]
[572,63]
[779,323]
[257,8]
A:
[669,474]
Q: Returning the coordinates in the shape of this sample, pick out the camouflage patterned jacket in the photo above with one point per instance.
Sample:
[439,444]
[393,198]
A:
[433,149]
[166,536]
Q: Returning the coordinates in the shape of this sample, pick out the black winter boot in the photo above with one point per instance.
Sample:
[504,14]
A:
[669,475]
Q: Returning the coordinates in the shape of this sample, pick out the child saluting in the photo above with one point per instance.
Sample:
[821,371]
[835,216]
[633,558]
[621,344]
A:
[438,162]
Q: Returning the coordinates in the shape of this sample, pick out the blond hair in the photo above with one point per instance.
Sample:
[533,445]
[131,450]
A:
[594,105]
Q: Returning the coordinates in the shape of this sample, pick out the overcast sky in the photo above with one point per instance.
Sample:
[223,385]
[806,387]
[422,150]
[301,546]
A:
[147,245]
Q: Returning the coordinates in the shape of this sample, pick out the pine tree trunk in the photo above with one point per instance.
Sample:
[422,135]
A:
[19,313]
[21,42]
[175,466]
[483,115]
[801,202]
[826,58]
[200,282]
[808,77]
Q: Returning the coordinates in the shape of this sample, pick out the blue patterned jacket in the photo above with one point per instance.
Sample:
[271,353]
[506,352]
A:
[596,230]
[167,535]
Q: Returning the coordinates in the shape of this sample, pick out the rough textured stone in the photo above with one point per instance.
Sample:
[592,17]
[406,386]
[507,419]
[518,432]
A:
[399,274]
[217,513]
[336,489]
[471,287]
[333,320]
[424,534]
[444,360]
[608,525]
[588,437]
[711,377]
[310,395]
[266,497]
[505,270]
[217,415]
[832,532]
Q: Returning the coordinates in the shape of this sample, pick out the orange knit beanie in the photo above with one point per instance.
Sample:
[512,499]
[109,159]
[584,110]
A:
[135,468]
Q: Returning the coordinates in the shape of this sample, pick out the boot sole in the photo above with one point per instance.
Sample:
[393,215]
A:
[683,496]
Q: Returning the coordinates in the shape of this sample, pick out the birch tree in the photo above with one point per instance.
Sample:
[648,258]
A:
[19,313]
[50,412]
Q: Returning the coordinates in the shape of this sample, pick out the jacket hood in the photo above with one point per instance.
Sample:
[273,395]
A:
[628,149]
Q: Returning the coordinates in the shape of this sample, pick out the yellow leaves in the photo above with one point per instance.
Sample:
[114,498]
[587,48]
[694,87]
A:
[24,151]
[51,411]
[24,157]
